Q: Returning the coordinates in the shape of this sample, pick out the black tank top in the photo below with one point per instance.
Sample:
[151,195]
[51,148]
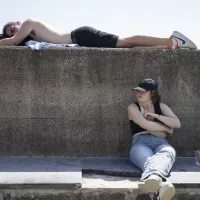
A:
[136,128]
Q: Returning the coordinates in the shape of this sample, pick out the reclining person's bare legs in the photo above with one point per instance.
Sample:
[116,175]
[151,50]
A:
[177,40]
[143,41]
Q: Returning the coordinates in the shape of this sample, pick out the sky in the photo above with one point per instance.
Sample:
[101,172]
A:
[157,18]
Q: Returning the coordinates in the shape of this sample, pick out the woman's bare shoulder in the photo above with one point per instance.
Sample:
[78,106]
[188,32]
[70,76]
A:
[133,107]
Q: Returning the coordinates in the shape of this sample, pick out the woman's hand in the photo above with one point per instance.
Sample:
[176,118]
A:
[151,116]
[169,130]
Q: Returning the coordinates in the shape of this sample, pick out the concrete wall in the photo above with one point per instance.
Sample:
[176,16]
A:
[73,102]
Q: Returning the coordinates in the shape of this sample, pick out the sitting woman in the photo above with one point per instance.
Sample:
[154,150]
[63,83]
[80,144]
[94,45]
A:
[151,121]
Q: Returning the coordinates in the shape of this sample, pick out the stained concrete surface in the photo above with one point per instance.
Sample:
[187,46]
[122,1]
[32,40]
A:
[73,101]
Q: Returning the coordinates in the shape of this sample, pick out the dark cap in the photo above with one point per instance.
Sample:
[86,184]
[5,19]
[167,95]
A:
[146,85]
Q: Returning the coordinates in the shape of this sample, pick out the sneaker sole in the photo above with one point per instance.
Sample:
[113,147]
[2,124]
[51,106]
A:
[149,186]
[169,192]
[192,44]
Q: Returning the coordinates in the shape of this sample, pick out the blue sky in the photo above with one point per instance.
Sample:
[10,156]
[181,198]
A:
[124,18]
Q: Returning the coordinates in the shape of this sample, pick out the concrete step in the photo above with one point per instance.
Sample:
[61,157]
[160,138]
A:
[65,172]
[63,178]
[185,173]
[95,187]
[40,172]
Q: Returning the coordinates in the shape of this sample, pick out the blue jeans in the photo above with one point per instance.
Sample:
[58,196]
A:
[153,155]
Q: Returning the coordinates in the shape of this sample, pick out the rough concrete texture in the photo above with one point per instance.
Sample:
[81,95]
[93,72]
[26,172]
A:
[94,188]
[73,102]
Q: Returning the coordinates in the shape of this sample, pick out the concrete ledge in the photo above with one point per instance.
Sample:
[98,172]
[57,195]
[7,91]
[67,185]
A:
[185,174]
[40,172]
[63,172]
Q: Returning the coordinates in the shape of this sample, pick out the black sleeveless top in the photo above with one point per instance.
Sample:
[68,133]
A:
[136,128]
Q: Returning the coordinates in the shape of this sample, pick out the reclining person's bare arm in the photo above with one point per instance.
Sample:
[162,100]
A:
[24,31]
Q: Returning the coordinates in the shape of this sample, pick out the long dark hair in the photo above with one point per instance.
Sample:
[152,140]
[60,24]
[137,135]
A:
[155,97]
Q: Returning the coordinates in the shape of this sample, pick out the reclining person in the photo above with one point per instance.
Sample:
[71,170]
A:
[86,36]
[150,122]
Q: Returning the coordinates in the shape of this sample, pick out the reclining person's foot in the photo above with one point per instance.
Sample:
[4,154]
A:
[181,41]
[151,184]
[167,191]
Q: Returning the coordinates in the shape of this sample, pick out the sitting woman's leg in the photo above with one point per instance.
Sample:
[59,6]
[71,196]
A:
[155,163]
[165,154]
[140,155]
[161,162]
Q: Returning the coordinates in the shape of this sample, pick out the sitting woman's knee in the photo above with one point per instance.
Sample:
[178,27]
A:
[171,151]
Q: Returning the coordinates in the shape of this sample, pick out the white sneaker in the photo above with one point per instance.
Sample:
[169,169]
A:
[182,41]
[151,184]
[167,191]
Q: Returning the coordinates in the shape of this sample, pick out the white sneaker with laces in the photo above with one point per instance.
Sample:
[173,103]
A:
[167,191]
[181,41]
[151,184]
